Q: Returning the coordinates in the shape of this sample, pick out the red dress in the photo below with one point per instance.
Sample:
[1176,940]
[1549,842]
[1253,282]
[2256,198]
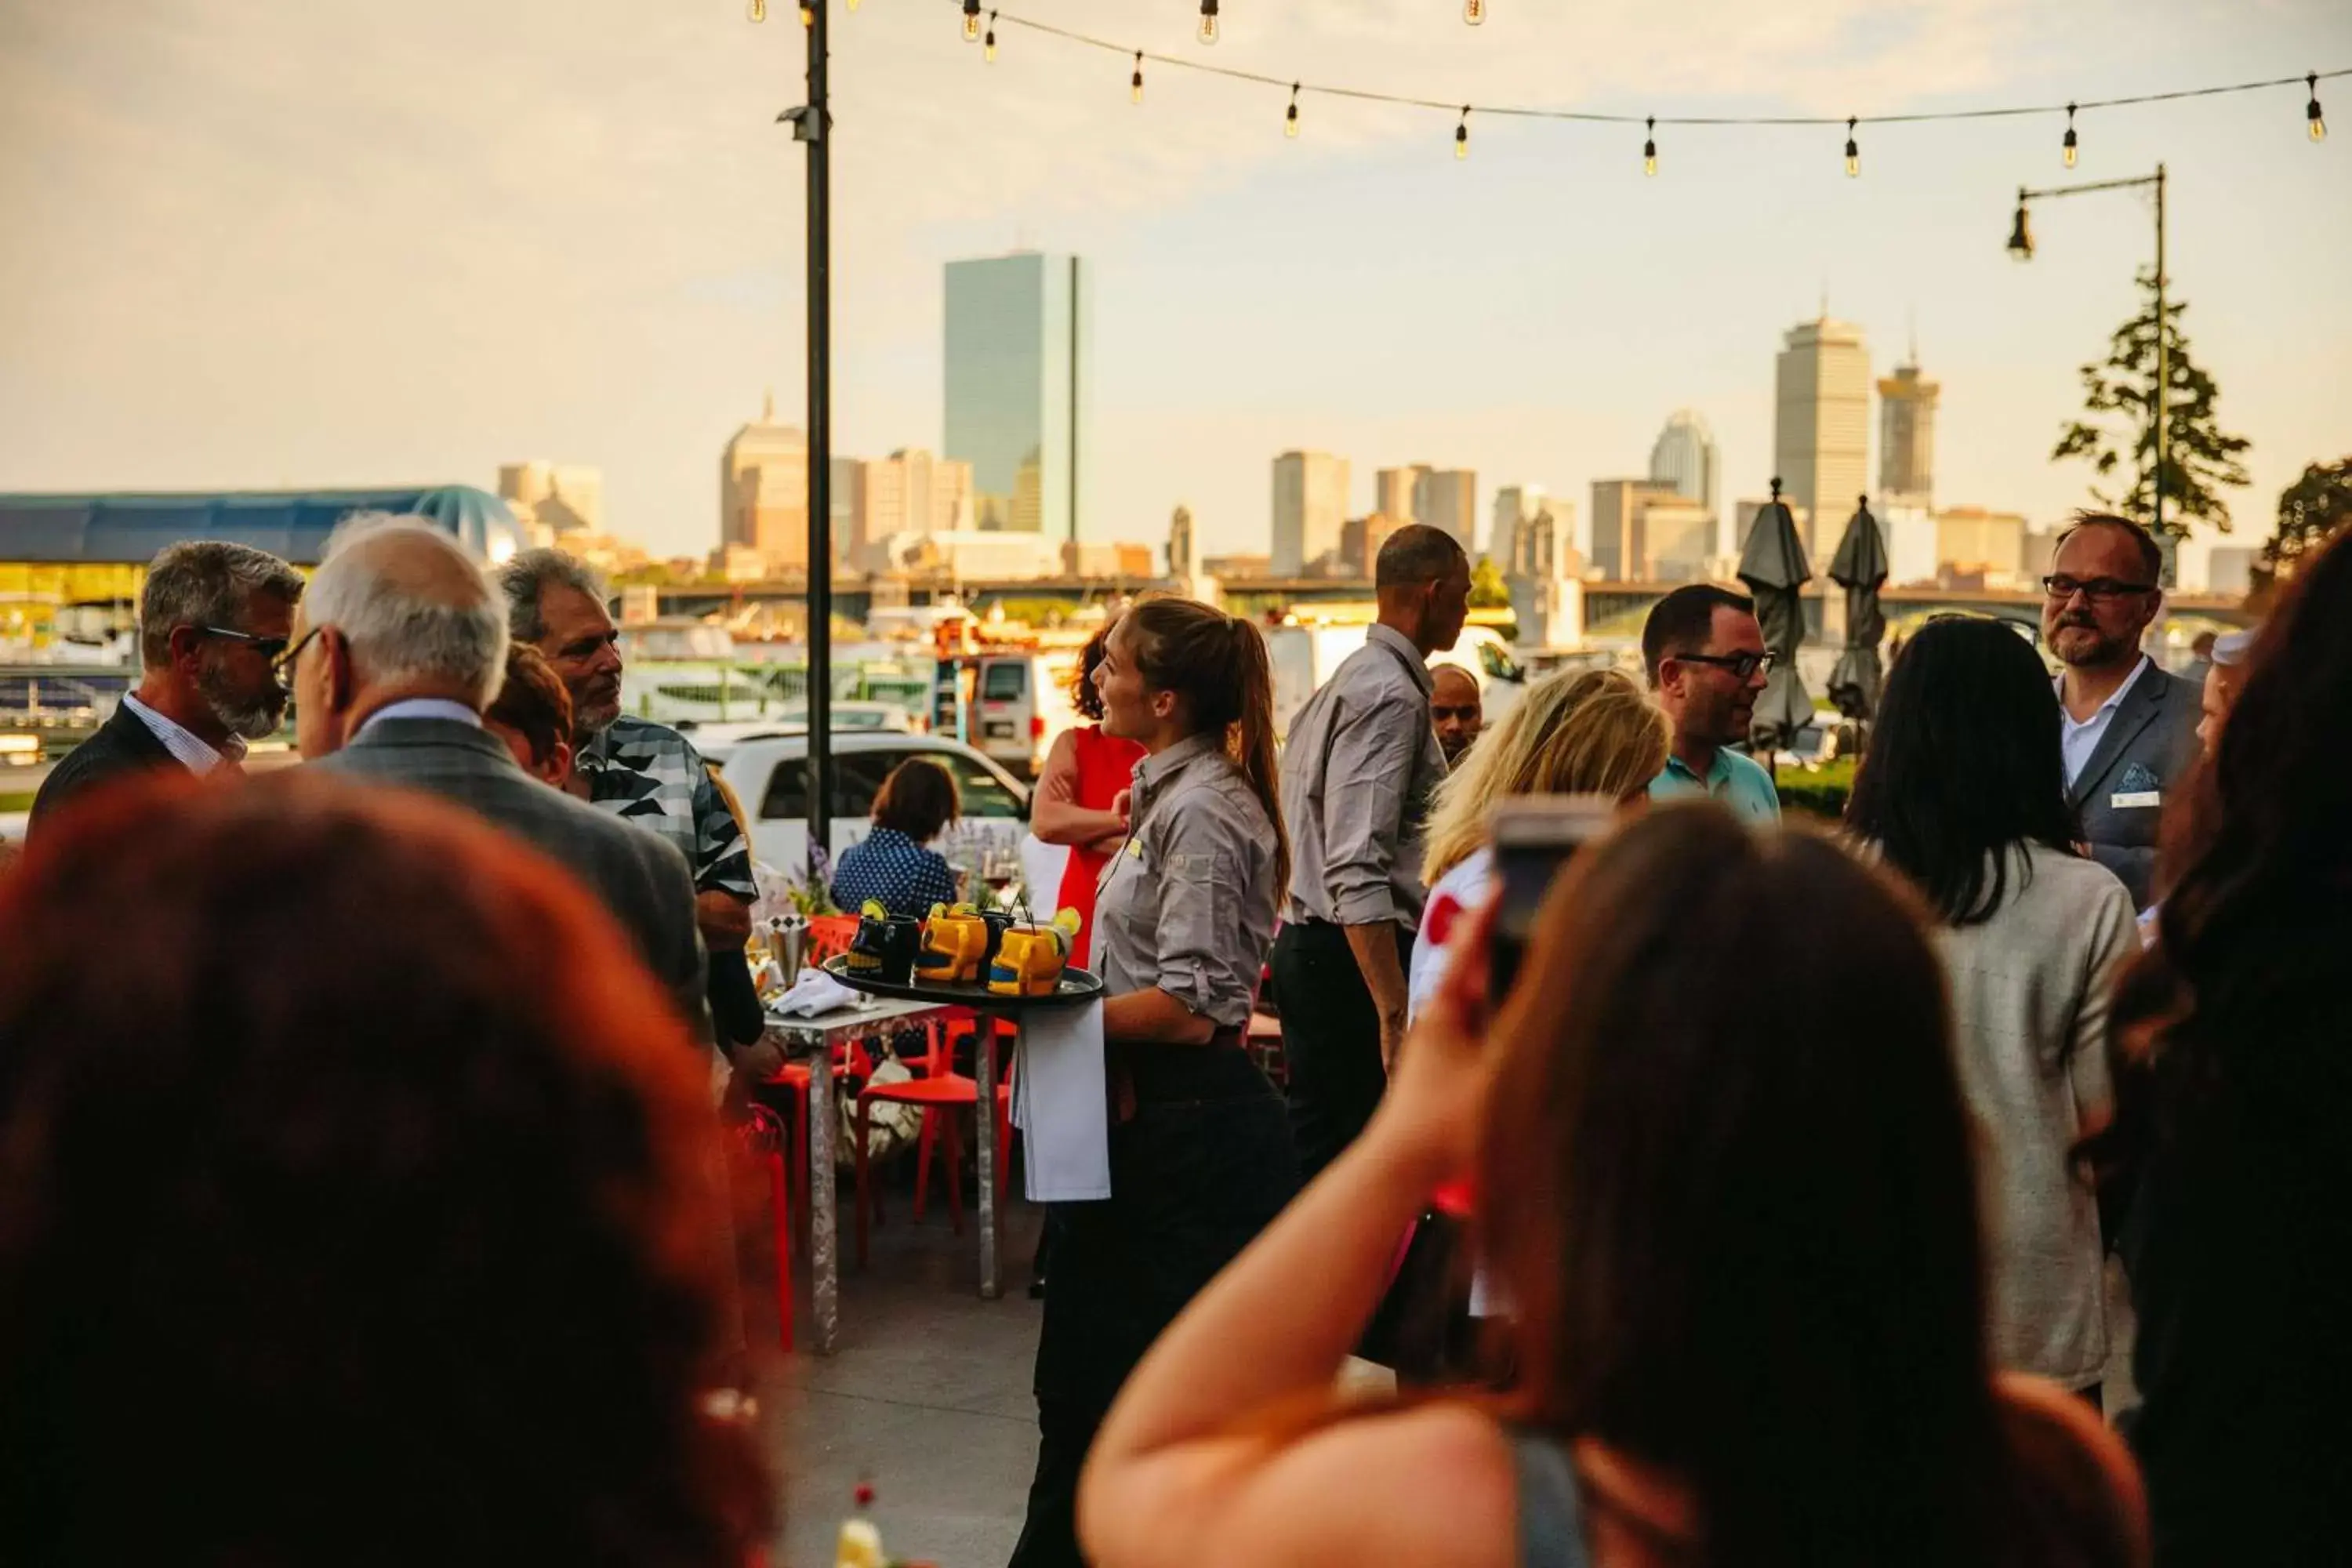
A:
[1106,766]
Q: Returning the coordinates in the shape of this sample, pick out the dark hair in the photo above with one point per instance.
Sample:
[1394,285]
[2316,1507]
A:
[1083,695]
[2151,554]
[1964,766]
[334,1222]
[1738,1227]
[1682,621]
[2238,1007]
[1414,554]
[1218,664]
[533,703]
[917,799]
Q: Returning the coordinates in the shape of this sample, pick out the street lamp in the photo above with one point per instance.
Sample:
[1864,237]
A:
[2021,247]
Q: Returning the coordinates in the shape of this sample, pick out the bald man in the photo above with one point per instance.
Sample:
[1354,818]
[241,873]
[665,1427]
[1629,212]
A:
[1456,708]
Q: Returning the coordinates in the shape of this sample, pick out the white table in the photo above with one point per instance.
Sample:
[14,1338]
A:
[859,1022]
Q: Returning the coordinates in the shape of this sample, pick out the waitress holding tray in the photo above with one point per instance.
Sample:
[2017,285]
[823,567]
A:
[1200,1153]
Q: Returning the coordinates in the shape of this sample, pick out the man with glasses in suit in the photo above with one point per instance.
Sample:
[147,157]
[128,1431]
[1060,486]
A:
[2129,728]
[212,621]
[1707,662]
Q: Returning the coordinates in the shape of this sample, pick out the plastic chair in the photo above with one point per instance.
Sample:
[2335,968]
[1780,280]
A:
[829,936]
[765,1136]
[942,1093]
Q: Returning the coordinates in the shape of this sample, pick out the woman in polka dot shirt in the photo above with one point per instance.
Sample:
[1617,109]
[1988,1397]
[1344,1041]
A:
[892,865]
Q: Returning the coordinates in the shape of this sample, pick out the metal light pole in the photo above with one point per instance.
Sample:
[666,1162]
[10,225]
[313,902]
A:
[813,123]
[2020,246]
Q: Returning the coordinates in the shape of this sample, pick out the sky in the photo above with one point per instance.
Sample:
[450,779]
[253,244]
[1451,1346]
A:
[261,243]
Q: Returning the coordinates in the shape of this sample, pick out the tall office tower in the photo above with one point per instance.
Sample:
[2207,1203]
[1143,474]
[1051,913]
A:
[1183,549]
[1515,507]
[1360,540]
[764,489]
[1907,435]
[1683,455]
[1396,493]
[556,498]
[1820,426]
[1448,498]
[909,491]
[1621,545]
[1020,375]
[1310,508]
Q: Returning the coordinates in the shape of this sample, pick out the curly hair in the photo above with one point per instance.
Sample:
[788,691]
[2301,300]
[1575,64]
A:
[353,1209]
[1084,697]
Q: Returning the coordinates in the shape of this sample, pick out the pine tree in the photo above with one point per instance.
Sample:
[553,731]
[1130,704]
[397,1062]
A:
[2118,431]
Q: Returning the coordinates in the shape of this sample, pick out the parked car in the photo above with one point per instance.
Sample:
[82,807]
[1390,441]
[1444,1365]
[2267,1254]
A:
[718,741]
[1305,655]
[769,775]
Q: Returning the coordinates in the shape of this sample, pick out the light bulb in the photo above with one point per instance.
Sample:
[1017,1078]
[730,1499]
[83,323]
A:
[1291,118]
[1852,153]
[757,10]
[1474,11]
[808,15]
[1208,21]
[1461,135]
[2068,148]
[1650,150]
[855,4]
[1135,83]
[2311,109]
[988,46]
[971,21]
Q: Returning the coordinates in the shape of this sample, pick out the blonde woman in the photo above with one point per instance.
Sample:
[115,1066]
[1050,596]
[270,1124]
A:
[1591,732]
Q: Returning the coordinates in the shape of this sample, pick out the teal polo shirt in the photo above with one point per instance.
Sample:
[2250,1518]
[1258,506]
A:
[1739,782]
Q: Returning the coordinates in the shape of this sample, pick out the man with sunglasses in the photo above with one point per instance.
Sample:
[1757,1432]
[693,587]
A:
[1706,661]
[213,621]
[2129,730]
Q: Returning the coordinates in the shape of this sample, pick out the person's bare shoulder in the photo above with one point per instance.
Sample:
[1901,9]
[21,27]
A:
[2079,1469]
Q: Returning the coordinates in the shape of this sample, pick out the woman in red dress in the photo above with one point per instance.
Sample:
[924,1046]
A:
[1081,799]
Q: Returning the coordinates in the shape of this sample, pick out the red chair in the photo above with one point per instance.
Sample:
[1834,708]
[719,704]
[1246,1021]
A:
[829,936]
[942,1093]
[765,1137]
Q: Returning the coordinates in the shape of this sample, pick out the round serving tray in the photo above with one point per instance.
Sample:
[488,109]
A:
[1077,985]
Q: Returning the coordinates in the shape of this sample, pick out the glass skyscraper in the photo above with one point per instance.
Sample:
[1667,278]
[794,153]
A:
[1019,370]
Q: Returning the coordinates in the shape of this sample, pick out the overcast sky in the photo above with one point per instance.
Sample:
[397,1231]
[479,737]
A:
[322,242]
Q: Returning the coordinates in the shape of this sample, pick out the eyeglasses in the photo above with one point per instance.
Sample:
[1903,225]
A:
[269,648]
[2098,590]
[282,667]
[1743,666]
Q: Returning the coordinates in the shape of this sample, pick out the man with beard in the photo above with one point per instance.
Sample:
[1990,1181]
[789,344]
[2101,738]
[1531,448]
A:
[1708,663]
[645,774]
[212,620]
[2129,730]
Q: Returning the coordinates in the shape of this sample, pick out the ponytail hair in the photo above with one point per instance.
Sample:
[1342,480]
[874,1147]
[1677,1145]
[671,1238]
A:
[1218,665]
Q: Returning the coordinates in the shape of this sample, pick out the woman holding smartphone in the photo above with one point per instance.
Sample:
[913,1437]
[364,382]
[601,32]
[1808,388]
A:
[1200,1155]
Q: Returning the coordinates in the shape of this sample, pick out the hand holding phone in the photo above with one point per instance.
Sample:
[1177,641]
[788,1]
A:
[1533,837]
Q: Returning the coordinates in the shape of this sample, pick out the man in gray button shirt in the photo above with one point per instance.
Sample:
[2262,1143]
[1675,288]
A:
[1357,773]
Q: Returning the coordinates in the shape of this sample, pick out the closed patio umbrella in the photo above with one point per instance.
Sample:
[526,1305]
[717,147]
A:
[1772,564]
[1860,568]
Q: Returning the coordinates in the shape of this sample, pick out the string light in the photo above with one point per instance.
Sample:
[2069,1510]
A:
[854,5]
[1650,150]
[1135,83]
[988,46]
[1290,120]
[2069,153]
[2311,109]
[1208,21]
[971,21]
[757,10]
[808,13]
[1462,135]
[1474,11]
[1852,153]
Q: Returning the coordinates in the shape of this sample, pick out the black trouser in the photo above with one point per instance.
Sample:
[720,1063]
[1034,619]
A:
[1330,1038]
[1198,1170]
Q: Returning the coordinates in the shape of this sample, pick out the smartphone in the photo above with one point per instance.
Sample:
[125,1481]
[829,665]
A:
[1533,837]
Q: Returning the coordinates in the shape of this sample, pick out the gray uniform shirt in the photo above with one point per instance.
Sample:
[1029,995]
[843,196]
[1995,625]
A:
[1188,904]
[1357,775]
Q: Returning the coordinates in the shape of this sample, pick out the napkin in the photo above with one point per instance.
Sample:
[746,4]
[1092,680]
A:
[816,993]
[1061,1103]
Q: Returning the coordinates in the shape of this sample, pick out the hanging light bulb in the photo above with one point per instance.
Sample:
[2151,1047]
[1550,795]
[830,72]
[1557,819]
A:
[1852,153]
[808,13]
[2069,153]
[757,10]
[1474,11]
[1291,118]
[2311,109]
[1135,83]
[971,21]
[1462,135]
[988,45]
[1208,21]
[1650,150]
[854,5]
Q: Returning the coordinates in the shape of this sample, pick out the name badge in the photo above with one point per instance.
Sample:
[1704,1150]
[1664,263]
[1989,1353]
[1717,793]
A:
[2125,801]
[1134,848]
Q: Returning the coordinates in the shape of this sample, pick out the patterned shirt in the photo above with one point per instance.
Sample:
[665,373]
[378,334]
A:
[651,775]
[893,870]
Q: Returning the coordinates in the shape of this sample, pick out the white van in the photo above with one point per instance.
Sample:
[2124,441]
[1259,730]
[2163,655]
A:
[1020,705]
[1304,657]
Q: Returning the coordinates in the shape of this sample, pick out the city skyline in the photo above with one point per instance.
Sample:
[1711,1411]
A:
[599,240]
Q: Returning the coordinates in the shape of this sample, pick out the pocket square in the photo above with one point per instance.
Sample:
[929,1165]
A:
[2137,780]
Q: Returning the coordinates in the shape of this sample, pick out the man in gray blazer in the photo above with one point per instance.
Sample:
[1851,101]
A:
[2129,730]
[399,645]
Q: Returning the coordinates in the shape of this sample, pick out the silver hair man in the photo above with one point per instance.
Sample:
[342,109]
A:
[558,605]
[211,589]
[414,608]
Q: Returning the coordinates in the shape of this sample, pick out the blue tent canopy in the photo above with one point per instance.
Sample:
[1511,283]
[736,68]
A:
[293,525]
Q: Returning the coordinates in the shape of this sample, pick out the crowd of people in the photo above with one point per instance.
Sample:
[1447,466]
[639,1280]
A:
[360,1123]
